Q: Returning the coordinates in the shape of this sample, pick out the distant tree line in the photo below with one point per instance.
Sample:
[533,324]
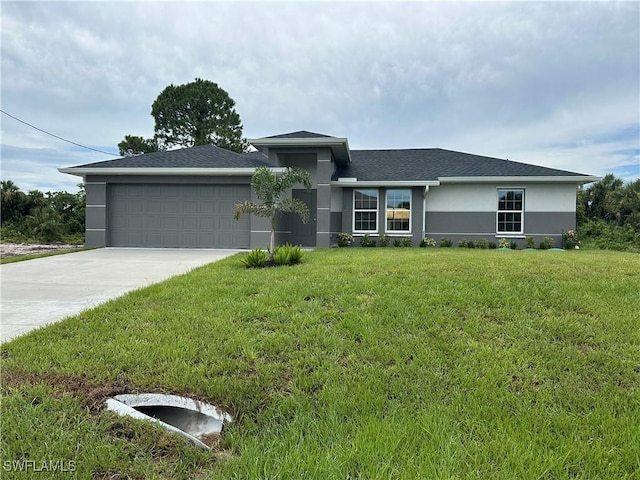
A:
[41,217]
[608,214]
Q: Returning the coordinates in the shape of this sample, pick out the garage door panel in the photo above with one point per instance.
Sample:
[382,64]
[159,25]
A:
[177,215]
[173,223]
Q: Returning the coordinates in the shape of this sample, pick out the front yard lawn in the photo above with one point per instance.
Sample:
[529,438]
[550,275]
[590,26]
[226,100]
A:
[358,363]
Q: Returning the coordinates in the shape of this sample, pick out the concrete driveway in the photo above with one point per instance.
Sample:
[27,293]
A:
[45,290]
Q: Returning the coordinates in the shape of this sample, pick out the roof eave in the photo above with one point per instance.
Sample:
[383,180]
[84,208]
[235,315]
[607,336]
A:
[579,179]
[158,171]
[351,182]
[339,146]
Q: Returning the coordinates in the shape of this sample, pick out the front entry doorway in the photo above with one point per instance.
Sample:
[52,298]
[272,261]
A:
[305,233]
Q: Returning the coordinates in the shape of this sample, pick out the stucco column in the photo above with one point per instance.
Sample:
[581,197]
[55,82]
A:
[96,213]
[325,170]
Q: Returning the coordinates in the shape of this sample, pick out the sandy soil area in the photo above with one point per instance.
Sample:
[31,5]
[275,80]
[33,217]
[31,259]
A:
[14,249]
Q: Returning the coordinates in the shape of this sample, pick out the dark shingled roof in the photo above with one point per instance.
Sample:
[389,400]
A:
[433,163]
[419,165]
[202,156]
[301,134]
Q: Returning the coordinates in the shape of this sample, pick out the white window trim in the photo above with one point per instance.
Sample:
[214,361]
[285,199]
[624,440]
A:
[377,211]
[399,232]
[521,212]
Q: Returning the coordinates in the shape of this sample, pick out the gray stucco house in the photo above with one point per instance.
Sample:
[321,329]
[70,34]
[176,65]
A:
[185,198]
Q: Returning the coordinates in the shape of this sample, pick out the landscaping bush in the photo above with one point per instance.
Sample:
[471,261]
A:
[384,240]
[366,241]
[513,245]
[446,243]
[256,258]
[345,239]
[427,242]
[406,242]
[530,242]
[462,243]
[482,243]
[503,243]
[287,255]
[471,244]
[546,243]
[570,239]
[492,245]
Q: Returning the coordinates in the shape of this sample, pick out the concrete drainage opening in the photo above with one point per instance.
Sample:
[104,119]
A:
[197,421]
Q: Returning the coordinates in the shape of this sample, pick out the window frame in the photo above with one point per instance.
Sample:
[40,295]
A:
[387,209]
[506,211]
[376,211]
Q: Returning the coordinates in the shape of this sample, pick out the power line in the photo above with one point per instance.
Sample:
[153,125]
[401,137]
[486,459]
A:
[56,136]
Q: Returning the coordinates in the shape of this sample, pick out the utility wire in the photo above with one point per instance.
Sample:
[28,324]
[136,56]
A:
[56,136]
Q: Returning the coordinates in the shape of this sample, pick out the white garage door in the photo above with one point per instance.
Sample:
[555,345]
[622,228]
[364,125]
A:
[143,215]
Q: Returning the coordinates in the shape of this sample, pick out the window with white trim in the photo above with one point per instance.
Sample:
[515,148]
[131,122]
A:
[365,211]
[398,213]
[510,211]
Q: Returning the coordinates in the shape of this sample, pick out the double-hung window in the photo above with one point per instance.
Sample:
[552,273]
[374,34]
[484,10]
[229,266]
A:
[398,213]
[365,211]
[510,211]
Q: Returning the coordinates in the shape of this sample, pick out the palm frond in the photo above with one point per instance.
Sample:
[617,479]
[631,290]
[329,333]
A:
[296,206]
[251,208]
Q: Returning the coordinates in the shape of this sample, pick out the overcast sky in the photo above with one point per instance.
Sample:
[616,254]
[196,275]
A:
[551,83]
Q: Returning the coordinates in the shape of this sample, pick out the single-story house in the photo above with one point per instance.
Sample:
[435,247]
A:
[185,198]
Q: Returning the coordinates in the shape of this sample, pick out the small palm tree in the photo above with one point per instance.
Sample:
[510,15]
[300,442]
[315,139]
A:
[269,187]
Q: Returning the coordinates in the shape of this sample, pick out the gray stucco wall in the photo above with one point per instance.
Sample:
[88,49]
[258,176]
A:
[457,226]
[417,208]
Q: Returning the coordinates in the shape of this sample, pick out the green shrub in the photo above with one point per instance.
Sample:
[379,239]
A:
[600,234]
[12,233]
[406,242]
[384,240]
[482,243]
[427,242]
[295,254]
[513,245]
[471,244]
[446,243]
[492,245]
[530,242]
[256,258]
[503,243]
[74,239]
[570,239]
[345,239]
[287,255]
[366,241]
[462,243]
[546,243]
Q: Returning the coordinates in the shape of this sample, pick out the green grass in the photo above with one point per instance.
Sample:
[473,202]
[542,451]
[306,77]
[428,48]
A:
[22,258]
[358,363]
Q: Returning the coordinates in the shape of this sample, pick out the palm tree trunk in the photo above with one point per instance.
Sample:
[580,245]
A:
[272,241]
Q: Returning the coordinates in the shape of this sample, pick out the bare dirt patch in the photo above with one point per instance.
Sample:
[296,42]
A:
[93,394]
[17,249]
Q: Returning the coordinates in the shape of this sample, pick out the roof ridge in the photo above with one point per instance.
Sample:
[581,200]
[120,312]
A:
[300,134]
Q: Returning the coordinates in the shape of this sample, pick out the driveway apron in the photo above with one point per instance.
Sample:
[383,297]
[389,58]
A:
[45,290]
